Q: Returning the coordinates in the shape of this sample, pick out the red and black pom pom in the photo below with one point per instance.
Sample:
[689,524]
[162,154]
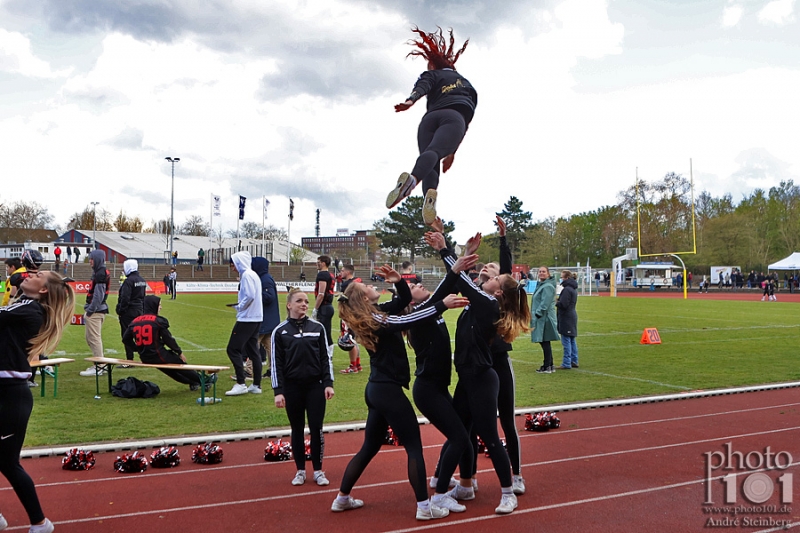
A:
[166,457]
[207,454]
[131,463]
[391,439]
[78,459]
[278,451]
[542,421]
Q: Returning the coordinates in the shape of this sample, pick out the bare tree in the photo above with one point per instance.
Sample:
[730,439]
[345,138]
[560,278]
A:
[195,225]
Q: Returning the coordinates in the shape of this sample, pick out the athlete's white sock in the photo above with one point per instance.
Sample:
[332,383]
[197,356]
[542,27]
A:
[425,505]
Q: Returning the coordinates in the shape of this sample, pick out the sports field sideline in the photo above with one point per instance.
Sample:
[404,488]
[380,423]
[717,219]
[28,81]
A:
[705,344]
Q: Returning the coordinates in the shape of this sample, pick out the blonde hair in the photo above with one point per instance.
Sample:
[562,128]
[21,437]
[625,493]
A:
[58,304]
[358,313]
[566,274]
[515,314]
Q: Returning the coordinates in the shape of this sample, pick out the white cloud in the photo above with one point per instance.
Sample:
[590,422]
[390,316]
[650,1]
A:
[777,12]
[731,16]
[16,57]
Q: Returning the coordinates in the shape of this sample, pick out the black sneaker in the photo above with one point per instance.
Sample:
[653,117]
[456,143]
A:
[575,365]
[268,373]
[545,369]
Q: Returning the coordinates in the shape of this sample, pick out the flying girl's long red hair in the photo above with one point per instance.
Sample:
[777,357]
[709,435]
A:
[435,48]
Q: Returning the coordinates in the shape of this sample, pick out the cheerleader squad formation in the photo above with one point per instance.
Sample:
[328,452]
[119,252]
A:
[495,311]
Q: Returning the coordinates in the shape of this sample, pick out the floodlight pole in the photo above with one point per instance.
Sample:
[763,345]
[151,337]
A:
[172,160]
[94,224]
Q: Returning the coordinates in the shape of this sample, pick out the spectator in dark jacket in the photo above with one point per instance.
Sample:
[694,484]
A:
[269,302]
[131,299]
[568,320]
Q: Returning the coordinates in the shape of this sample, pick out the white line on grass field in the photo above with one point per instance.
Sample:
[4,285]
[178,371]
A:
[691,330]
[226,310]
[666,385]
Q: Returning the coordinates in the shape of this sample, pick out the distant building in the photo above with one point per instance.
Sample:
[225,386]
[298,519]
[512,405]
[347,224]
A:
[362,242]
[14,240]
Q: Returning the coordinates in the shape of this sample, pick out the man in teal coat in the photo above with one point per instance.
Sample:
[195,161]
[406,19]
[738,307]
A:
[544,324]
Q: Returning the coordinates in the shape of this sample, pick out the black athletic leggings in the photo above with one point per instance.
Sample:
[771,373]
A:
[475,400]
[16,404]
[506,406]
[547,350]
[389,406]
[125,320]
[187,377]
[439,134]
[302,398]
[325,317]
[242,345]
[436,404]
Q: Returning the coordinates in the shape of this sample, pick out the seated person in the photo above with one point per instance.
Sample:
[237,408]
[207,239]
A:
[149,335]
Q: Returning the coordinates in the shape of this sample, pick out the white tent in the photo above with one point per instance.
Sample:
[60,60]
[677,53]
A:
[789,263]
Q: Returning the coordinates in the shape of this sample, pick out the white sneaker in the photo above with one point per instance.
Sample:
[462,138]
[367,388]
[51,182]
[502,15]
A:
[405,184]
[475,484]
[447,502]
[254,389]
[432,513]
[320,478]
[299,478]
[508,502]
[3,523]
[435,481]
[429,207]
[45,527]
[237,390]
[89,372]
[518,485]
[462,493]
[351,503]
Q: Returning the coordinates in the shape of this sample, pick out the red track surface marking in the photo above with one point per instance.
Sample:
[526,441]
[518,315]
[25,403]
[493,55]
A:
[622,469]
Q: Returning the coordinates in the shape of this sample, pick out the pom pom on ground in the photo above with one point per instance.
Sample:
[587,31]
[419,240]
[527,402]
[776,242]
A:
[541,421]
[78,459]
[207,454]
[131,463]
[278,451]
[166,457]
[391,438]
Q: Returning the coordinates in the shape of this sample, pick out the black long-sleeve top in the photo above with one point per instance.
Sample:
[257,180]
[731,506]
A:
[389,361]
[446,88]
[500,348]
[19,323]
[300,354]
[131,295]
[431,340]
[476,327]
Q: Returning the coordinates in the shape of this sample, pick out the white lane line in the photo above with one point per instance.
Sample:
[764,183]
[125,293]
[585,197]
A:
[419,528]
[667,385]
[657,421]
[561,505]
[691,330]
[397,449]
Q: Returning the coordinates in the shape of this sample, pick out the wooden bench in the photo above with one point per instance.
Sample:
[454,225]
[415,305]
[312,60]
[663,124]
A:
[107,365]
[55,363]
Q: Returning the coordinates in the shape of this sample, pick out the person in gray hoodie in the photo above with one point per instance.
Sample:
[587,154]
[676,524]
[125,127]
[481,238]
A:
[269,304]
[96,309]
[243,343]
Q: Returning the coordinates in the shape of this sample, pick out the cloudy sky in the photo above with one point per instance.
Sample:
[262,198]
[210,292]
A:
[281,98]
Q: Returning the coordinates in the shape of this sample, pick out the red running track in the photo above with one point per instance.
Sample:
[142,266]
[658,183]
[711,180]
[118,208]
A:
[619,469]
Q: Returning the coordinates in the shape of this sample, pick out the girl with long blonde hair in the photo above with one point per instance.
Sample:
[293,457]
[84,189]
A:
[31,326]
[378,327]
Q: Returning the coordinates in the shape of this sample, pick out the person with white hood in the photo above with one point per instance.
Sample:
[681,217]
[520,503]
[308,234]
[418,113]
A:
[244,337]
[131,300]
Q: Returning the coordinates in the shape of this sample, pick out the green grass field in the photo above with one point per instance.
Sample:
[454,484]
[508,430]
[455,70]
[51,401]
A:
[706,344]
